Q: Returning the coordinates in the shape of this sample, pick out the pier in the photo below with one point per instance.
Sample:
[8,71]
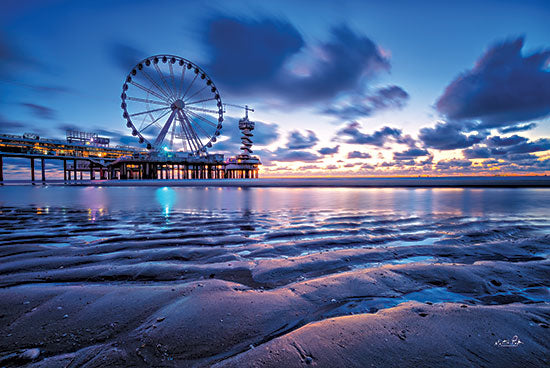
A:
[87,159]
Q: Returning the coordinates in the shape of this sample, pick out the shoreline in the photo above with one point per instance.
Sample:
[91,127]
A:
[370,182]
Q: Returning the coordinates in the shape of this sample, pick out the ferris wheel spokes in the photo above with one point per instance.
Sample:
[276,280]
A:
[149,91]
[154,121]
[137,99]
[195,138]
[150,111]
[164,130]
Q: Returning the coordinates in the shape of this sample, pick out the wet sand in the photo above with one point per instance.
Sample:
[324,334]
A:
[272,288]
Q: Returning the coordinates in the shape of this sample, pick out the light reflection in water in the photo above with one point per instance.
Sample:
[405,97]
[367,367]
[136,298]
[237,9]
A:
[166,197]
[412,201]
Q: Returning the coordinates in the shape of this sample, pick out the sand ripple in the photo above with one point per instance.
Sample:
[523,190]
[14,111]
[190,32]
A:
[199,287]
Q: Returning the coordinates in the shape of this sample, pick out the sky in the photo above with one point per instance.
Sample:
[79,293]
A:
[347,88]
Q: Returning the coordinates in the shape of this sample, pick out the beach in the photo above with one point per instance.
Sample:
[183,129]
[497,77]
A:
[268,277]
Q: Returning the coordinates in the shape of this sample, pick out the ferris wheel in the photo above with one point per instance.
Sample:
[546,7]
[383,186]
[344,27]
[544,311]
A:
[171,104]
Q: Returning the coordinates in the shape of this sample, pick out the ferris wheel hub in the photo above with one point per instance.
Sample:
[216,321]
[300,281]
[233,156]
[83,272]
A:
[178,104]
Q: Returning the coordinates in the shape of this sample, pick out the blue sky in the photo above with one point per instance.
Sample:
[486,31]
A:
[339,88]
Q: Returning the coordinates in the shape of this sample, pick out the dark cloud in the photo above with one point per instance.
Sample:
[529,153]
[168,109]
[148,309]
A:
[249,53]
[286,155]
[497,141]
[351,134]
[331,167]
[356,105]
[329,150]
[477,152]
[448,136]
[508,149]
[280,64]
[40,111]
[357,154]
[539,145]
[517,128]
[455,164]
[13,58]
[503,88]
[336,66]
[297,140]
[125,56]
[411,153]
[10,126]
[368,167]
[52,89]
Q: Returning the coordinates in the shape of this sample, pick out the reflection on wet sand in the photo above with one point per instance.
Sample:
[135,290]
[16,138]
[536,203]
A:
[251,280]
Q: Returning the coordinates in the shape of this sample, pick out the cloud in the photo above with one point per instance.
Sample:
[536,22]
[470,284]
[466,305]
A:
[247,53]
[448,136]
[297,140]
[309,167]
[286,155]
[540,145]
[339,65]
[13,58]
[355,105]
[329,150]
[125,56]
[497,141]
[40,111]
[411,153]
[357,154]
[453,165]
[12,126]
[331,167]
[351,134]
[511,149]
[503,88]
[281,65]
[517,128]
[476,152]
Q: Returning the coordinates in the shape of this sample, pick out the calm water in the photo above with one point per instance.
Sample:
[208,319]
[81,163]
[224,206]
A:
[467,202]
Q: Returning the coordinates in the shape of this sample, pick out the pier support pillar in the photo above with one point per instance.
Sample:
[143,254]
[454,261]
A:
[64,170]
[43,167]
[92,177]
[74,167]
[1,168]
[32,169]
